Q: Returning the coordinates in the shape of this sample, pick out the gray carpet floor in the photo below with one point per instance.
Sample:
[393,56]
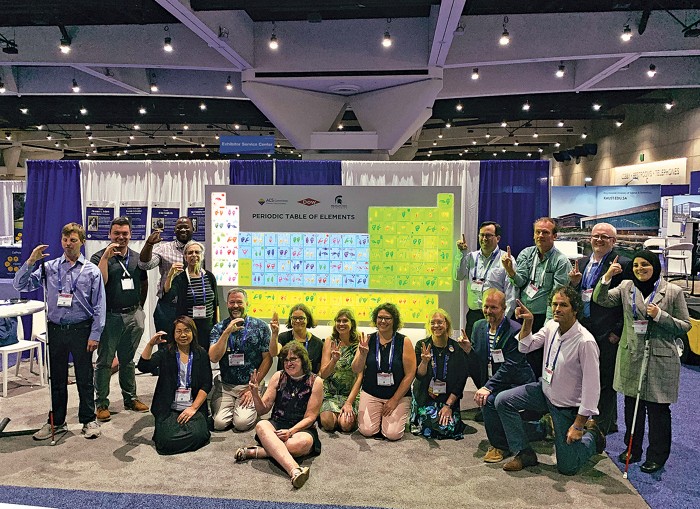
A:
[351,470]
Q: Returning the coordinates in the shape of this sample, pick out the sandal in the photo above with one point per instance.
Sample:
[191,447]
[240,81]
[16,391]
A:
[299,476]
[244,453]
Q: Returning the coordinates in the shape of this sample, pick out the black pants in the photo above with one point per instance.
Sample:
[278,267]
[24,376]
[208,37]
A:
[163,318]
[473,367]
[659,429]
[65,340]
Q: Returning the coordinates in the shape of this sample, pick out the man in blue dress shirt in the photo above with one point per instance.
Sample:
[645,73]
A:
[75,298]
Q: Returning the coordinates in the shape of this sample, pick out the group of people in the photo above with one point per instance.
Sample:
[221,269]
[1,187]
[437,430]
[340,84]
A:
[577,338]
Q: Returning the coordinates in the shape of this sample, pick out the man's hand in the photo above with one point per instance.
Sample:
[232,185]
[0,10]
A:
[481,395]
[507,262]
[235,325]
[462,244]
[92,345]
[573,435]
[613,338]
[246,398]
[575,275]
[521,312]
[464,342]
[38,254]
[109,250]
[614,270]
[445,415]
[154,238]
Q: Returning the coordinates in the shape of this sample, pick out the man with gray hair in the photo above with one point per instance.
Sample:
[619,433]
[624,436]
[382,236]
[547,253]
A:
[240,344]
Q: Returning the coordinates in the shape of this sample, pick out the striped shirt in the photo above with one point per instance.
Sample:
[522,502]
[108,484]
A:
[164,255]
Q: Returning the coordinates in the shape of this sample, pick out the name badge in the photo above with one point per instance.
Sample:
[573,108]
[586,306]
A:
[497,356]
[477,285]
[531,290]
[437,387]
[65,300]
[587,295]
[127,284]
[236,359]
[385,379]
[183,395]
[640,326]
[199,312]
[547,375]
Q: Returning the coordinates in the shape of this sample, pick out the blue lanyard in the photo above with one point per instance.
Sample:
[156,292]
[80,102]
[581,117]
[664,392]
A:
[556,356]
[434,364]
[125,262]
[391,353]
[188,377]
[232,343]
[488,267]
[587,279]
[634,297]
[74,282]
[497,337]
[204,288]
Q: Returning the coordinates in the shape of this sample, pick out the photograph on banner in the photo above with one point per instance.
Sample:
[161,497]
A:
[336,246]
[138,214]
[18,200]
[163,218]
[11,257]
[198,217]
[97,221]
[633,210]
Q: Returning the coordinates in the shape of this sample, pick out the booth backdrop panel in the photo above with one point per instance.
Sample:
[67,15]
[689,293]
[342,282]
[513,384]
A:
[676,189]
[7,187]
[308,173]
[514,194]
[251,172]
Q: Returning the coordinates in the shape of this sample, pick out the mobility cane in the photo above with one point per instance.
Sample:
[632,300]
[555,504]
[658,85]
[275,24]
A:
[45,287]
[642,374]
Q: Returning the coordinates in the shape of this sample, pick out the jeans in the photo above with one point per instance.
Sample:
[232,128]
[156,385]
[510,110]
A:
[494,427]
[570,457]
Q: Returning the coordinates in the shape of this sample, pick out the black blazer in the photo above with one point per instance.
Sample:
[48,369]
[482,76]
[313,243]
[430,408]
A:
[164,362]
[604,320]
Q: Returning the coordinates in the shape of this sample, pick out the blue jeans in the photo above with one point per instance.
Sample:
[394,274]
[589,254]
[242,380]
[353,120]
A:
[570,457]
[494,427]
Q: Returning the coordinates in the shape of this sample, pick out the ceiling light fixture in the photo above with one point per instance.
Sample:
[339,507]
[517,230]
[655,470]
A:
[8,135]
[584,135]
[487,135]
[526,106]
[48,137]
[83,111]
[66,40]
[561,71]
[386,40]
[557,145]
[154,83]
[504,124]
[626,33]
[652,71]
[185,127]
[459,107]
[669,105]
[273,44]
[448,125]
[560,123]
[588,179]
[596,106]
[24,111]
[2,88]
[236,127]
[516,143]
[75,87]
[529,154]
[167,42]
[618,123]
[87,127]
[229,85]
[505,36]
[475,73]
[535,135]
[202,106]
[540,150]
[473,142]
[136,127]
[142,110]
[39,127]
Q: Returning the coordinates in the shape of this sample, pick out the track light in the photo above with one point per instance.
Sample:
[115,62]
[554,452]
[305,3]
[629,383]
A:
[561,71]
[473,142]
[386,40]
[136,127]
[669,105]
[526,106]
[652,71]
[236,126]
[487,135]
[588,179]
[596,106]
[229,85]
[475,73]
[8,135]
[154,83]
[584,135]
[535,135]
[618,123]
[273,44]
[529,154]
[626,33]
[504,124]
[505,36]
[83,111]
[516,143]
[557,145]
[48,137]
[39,127]
[540,150]
[142,110]
[202,106]
[87,127]
[24,111]
[75,87]
[560,123]
[2,88]
[448,125]
[65,45]
[459,107]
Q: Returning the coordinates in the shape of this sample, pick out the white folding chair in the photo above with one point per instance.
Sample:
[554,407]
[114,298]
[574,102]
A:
[681,252]
[18,348]
[39,334]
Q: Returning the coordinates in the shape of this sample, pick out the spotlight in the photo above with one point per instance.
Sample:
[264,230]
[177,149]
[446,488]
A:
[136,127]
[584,135]
[475,73]
[131,136]
[626,33]
[618,123]
[540,150]
[87,127]
[440,136]
[435,144]
[154,87]
[505,36]
[65,45]
[516,143]
[535,135]
[39,127]
[49,137]
[2,88]
[504,124]
[448,125]
[216,136]
[529,154]
[185,127]
[561,71]
[24,111]
[473,142]
[202,106]
[8,135]
[168,45]
[459,107]
[503,150]
[75,87]
[557,145]
[596,106]
[142,110]
[526,106]
[560,123]
[487,135]
[588,179]
[83,111]
[669,105]
[236,127]
[386,41]
[229,85]
[652,71]
[273,44]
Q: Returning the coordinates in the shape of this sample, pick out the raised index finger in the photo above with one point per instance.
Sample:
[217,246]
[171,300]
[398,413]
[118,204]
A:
[508,251]
[615,260]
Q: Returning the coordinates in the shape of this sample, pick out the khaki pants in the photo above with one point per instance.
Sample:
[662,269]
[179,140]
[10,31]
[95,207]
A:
[227,410]
[370,419]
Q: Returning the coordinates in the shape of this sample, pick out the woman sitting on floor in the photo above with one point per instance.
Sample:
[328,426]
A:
[180,398]
[440,379]
[295,396]
[341,387]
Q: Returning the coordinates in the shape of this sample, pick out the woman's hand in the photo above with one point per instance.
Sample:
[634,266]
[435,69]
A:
[253,383]
[186,415]
[346,411]
[335,351]
[283,434]
[425,355]
[653,310]
[176,268]
[389,407]
[445,415]
[614,270]
[363,344]
[275,324]
[157,338]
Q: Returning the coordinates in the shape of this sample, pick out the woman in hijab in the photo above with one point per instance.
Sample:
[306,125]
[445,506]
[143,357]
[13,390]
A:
[654,311]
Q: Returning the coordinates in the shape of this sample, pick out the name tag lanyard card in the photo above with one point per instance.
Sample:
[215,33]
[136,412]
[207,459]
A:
[126,280]
[641,326]
[496,354]
[385,379]
[236,357]
[201,310]
[438,386]
[548,371]
[589,280]
[478,283]
[183,393]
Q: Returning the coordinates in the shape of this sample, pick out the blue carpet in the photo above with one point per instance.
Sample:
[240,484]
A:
[72,499]
[677,485]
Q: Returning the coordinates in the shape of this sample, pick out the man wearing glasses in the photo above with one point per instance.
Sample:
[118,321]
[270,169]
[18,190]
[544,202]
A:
[604,323]
[540,269]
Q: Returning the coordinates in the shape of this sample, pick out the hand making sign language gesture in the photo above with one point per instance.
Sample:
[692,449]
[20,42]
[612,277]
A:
[521,312]
[425,355]
[464,342]
[335,350]
[507,262]
[575,275]
[614,270]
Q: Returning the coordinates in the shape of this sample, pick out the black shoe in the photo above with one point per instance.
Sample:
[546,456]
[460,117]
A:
[622,458]
[597,434]
[649,467]
[478,417]
[613,429]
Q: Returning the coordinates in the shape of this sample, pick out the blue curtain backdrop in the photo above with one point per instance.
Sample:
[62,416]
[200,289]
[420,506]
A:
[513,189]
[309,173]
[675,189]
[250,172]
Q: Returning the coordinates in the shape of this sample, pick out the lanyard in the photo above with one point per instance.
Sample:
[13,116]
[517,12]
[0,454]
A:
[554,363]
[204,288]
[434,363]
[232,343]
[126,261]
[634,297]
[497,337]
[587,279]
[188,377]
[74,282]
[535,262]
[391,354]
[488,267]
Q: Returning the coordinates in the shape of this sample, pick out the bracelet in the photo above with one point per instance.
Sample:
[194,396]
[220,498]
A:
[576,428]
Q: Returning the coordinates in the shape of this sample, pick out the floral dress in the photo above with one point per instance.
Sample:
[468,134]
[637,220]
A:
[337,387]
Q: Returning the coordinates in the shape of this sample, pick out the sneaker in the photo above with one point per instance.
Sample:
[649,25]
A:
[526,458]
[494,455]
[91,430]
[45,432]
[103,414]
[136,406]
[600,441]
[478,417]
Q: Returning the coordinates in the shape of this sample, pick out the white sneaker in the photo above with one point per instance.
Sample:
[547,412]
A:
[91,430]
[45,432]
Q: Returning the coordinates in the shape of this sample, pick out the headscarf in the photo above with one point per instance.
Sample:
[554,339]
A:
[646,287]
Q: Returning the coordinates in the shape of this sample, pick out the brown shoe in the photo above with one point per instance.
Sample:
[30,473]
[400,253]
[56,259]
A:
[600,440]
[103,414]
[136,406]
[523,459]
[494,455]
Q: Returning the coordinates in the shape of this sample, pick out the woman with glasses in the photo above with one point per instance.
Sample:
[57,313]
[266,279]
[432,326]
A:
[299,321]
[341,387]
[440,379]
[295,396]
[193,290]
[388,364]
[180,398]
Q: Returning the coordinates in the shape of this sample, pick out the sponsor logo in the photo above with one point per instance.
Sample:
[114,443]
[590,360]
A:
[272,201]
[338,203]
[309,202]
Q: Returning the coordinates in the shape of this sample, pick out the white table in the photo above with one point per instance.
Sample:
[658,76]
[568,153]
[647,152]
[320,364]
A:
[15,310]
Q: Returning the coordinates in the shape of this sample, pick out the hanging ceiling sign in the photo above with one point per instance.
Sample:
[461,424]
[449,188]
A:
[247,144]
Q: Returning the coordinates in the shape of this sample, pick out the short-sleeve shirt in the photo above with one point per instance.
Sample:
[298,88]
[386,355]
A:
[118,298]
[257,342]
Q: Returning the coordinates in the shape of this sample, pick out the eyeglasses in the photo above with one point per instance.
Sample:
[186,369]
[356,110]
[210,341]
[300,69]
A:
[486,235]
[290,360]
[298,318]
[384,318]
[437,323]
[601,237]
